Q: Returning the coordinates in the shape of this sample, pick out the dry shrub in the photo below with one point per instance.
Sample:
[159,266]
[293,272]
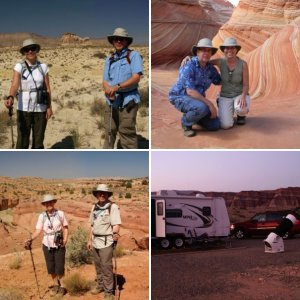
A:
[76,284]
[10,293]
[119,251]
[100,55]
[76,138]
[144,93]
[77,252]
[16,262]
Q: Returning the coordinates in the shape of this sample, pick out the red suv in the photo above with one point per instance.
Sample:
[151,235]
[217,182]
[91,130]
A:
[263,224]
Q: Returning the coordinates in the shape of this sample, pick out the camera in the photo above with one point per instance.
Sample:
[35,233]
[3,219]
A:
[58,238]
[42,97]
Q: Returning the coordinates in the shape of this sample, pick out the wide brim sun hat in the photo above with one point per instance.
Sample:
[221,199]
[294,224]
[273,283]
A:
[204,43]
[29,42]
[48,198]
[102,188]
[230,42]
[120,32]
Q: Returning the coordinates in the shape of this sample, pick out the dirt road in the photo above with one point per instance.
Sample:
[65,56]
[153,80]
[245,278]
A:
[241,272]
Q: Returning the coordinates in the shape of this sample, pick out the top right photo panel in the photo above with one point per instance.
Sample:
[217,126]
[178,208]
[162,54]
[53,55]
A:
[225,74]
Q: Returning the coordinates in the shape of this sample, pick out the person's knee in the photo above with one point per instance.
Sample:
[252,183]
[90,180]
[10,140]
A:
[226,125]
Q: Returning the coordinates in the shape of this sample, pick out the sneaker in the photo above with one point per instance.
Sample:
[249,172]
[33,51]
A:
[54,290]
[62,291]
[97,290]
[241,120]
[188,131]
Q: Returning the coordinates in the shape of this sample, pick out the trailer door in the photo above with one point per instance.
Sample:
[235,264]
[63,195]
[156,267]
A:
[160,218]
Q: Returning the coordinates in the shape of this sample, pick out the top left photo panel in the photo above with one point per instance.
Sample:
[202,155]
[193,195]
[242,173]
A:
[74,74]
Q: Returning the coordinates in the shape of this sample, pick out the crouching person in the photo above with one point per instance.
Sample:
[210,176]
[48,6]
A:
[55,227]
[105,221]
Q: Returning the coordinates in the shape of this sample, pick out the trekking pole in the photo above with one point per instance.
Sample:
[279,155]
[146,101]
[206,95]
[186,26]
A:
[10,113]
[109,132]
[117,292]
[29,247]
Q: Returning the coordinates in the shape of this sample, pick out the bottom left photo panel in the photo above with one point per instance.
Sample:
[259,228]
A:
[74,225]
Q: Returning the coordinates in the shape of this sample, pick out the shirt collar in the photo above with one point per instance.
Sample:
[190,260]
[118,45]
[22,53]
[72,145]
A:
[122,53]
[195,59]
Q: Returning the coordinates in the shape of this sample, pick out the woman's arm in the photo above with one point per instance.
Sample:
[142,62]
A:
[49,112]
[216,62]
[66,233]
[16,80]
[242,102]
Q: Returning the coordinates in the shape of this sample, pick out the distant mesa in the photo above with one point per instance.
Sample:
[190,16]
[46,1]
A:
[69,38]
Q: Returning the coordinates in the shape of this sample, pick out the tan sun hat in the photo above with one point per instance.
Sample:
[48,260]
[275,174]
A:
[102,188]
[204,43]
[120,32]
[29,42]
[48,198]
[230,42]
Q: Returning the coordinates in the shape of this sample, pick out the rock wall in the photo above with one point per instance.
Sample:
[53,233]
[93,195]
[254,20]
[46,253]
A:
[71,38]
[178,24]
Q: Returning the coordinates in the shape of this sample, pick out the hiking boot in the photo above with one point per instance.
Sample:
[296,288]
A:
[241,120]
[97,290]
[54,290]
[62,291]
[188,131]
[109,297]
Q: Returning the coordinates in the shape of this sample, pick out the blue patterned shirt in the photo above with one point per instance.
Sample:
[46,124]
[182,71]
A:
[193,76]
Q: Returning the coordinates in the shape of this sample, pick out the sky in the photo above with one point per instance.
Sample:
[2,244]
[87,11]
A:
[86,18]
[74,164]
[234,2]
[224,171]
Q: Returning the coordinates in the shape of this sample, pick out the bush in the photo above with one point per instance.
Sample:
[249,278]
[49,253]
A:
[145,182]
[77,252]
[119,251]
[128,185]
[76,284]
[144,93]
[10,293]
[128,195]
[76,138]
[100,55]
[16,263]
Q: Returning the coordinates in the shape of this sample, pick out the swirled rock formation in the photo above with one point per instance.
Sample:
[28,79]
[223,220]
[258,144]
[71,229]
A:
[179,24]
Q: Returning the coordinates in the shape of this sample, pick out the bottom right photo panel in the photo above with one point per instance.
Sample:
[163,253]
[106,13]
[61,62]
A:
[225,225]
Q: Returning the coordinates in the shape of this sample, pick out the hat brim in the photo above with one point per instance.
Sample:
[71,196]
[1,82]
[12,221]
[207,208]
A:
[213,52]
[37,45]
[111,37]
[96,192]
[49,201]
[238,47]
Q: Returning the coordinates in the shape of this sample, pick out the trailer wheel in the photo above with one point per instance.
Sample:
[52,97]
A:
[240,233]
[165,243]
[178,242]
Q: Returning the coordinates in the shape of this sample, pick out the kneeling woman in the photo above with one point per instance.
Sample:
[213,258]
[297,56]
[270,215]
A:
[55,227]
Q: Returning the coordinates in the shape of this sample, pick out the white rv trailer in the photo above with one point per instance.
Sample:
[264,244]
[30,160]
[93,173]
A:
[184,216]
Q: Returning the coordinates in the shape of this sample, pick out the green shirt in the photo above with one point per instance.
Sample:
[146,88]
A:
[232,81]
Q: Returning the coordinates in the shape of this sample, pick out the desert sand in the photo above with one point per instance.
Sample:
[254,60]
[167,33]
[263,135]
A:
[76,84]
[75,199]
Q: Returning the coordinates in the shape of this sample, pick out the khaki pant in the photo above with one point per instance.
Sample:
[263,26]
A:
[123,122]
[27,121]
[104,268]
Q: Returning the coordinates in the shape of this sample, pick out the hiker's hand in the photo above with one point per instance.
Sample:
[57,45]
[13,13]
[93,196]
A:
[9,103]
[242,102]
[89,245]
[49,113]
[27,245]
[116,237]
[213,111]
[185,61]
[64,243]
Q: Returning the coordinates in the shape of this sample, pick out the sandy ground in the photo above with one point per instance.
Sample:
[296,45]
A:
[76,83]
[272,123]
[240,272]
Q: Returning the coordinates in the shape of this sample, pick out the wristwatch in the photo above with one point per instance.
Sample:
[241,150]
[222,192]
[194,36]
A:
[119,86]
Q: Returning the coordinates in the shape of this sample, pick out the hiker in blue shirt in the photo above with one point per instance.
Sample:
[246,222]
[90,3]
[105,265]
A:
[188,94]
[122,73]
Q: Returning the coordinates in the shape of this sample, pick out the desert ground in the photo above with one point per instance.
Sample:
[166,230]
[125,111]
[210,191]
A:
[77,95]
[240,270]
[75,199]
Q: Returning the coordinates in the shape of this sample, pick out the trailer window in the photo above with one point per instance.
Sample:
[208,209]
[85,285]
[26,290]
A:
[174,213]
[160,209]
[206,210]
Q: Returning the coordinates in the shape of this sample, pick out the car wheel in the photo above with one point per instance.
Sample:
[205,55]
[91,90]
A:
[165,243]
[178,242]
[240,233]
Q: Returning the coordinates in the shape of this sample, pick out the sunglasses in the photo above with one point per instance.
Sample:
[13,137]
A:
[118,38]
[32,49]
[229,47]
